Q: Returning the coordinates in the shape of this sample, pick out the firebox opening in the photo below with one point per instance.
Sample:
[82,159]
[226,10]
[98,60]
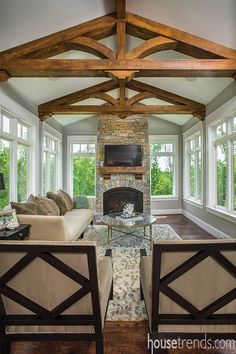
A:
[115,199]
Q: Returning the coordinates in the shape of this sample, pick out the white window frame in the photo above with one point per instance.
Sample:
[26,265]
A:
[155,139]
[190,134]
[51,133]
[77,139]
[224,113]
[14,140]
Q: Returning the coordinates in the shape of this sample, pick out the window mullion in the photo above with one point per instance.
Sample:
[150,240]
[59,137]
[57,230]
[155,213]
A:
[230,176]
[196,174]
[13,170]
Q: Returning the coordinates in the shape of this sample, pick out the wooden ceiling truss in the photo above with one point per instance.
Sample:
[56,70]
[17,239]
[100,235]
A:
[34,59]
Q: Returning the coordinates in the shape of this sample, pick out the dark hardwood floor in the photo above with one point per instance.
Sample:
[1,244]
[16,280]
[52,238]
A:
[184,227]
[124,337]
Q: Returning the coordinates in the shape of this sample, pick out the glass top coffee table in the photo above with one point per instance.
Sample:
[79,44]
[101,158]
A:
[128,225]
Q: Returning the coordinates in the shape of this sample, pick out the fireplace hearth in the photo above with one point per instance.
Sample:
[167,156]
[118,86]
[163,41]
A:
[115,199]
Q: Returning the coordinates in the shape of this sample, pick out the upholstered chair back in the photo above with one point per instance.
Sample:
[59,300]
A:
[50,287]
[194,284]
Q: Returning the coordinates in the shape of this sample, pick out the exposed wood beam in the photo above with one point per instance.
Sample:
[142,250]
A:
[195,52]
[82,94]
[151,46]
[139,32]
[199,114]
[139,97]
[104,97]
[96,68]
[121,9]
[4,76]
[161,94]
[108,109]
[102,33]
[98,24]
[121,39]
[90,46]
[159,29]
[46,52]
[122,92]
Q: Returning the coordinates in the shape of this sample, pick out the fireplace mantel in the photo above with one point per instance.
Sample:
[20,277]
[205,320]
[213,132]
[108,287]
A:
[106,171]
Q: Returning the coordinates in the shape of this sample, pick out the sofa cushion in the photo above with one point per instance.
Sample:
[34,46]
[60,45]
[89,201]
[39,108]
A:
[81,202]
[27,208]
[76,221]
[49,206]
[59,201]
[67,199]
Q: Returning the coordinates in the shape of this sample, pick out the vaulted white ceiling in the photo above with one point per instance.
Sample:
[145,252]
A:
[24,20]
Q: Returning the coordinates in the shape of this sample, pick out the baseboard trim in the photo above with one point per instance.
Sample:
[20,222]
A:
[205,226]
[166,211]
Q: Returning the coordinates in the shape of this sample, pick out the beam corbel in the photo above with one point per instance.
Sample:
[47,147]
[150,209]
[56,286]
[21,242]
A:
[4,76]
[118,75]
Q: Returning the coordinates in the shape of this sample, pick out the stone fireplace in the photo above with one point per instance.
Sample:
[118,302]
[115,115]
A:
[122,188]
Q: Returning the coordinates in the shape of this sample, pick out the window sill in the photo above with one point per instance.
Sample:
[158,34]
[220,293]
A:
[222,214]
[164,199]
[194,203]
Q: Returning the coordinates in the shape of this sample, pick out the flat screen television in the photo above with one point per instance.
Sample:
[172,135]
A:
[123,155]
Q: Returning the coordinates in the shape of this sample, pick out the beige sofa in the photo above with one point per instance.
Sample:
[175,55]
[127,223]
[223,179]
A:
[68,227]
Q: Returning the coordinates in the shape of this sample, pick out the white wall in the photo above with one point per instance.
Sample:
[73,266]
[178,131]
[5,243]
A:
[218,224]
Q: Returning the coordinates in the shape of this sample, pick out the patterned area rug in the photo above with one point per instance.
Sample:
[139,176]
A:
[126,304]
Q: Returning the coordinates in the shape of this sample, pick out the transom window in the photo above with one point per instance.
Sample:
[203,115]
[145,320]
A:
[163,166]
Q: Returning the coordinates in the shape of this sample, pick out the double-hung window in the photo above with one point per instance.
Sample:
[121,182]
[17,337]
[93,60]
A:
[15,152]
[82,166]
[51,163]
[164,176]
[222,161]
[193,164]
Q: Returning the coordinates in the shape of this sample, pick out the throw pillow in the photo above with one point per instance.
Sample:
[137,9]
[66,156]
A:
[67,199]
[81,202]
[27,208]
[59,202]
[49,206]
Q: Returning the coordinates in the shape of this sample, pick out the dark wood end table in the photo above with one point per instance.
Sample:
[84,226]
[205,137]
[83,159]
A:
[20,233]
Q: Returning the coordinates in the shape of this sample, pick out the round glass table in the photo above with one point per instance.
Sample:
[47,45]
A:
[128,225]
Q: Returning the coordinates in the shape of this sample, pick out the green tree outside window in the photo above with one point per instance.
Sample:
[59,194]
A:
[5,169]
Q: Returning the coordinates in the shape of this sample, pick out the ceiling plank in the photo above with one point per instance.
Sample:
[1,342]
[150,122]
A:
[151,46]
[116,109]
[97,24]
[121,9]
[181,36]
[82,94]
[97,68]
[90,46]
[161,94]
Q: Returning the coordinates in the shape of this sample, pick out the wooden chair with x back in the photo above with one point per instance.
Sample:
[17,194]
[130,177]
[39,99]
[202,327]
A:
[53,291]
